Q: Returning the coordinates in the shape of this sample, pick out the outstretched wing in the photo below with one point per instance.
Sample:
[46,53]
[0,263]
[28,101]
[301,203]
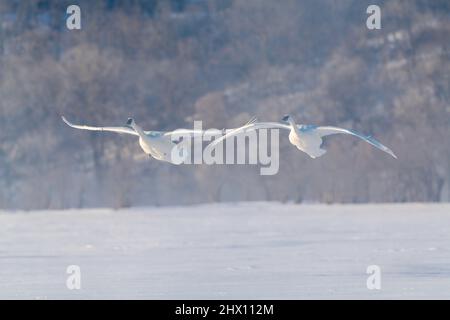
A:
[210,133]
[111,129]
[250,126]
[326,131]
[192,133]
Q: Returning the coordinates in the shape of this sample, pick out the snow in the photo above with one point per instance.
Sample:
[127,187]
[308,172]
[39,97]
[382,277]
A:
[231,251]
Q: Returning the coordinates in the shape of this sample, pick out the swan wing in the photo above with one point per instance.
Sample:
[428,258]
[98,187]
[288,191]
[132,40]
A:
[210,133]
[111,129]
[326,131]
[251,126]
[193,133]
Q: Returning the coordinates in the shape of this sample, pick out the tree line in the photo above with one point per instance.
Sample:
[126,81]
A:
[168,63]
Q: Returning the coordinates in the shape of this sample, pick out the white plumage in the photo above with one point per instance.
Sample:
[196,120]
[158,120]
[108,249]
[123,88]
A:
[307,138]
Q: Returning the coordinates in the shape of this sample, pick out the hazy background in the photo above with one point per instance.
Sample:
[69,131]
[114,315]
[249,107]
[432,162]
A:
[167,63]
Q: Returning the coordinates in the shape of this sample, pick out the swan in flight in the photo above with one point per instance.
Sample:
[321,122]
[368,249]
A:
[159,144]
[307,138]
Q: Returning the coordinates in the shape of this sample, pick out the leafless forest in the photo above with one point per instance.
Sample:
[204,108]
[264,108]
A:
[167,63]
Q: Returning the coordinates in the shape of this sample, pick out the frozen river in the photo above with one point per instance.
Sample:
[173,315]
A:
[230,251]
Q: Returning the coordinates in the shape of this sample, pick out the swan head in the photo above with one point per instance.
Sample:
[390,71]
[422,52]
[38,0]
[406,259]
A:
[130,122]
[286,118]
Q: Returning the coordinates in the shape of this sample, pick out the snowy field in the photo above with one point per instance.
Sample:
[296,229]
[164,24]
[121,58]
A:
[230,251]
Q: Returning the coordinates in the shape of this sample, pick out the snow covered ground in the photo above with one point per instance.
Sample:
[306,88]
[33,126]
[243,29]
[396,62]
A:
[246,250]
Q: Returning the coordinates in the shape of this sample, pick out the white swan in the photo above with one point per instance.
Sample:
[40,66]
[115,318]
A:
[159,144]
[307,138]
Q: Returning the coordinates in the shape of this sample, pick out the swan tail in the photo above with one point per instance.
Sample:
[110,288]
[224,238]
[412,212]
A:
[317,153]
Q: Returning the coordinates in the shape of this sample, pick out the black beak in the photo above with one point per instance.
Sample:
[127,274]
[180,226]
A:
[285,118]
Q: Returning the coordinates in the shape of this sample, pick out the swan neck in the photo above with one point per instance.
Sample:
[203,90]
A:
[293,125]
[138,130]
